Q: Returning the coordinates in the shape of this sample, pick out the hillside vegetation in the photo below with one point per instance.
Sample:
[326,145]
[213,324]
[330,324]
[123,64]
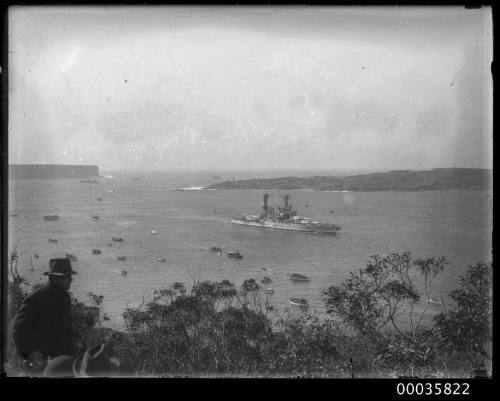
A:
[373,327]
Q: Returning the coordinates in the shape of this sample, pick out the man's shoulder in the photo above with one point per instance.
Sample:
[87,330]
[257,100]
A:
[41,292]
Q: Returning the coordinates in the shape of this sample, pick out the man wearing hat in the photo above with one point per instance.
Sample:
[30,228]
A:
[42,326]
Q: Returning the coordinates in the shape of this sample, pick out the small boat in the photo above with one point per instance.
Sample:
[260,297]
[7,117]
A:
[122,258]
[270,290]
[51,217]
[13,215]
[217,249]
[161,259]
[299,302]
[36,256]
[264,269]
[124,272]
[53,240]
[94,217]
[117,239]
[236,255]
[298,277]
[99,199]
[96,252]
[71,257]
[331,211]
[153,232]
[110,244]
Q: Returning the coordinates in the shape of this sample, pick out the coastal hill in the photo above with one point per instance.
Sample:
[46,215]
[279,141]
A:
[51,171]
[400,180]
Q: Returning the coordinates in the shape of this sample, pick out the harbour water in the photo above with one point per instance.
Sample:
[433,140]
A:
[454,224]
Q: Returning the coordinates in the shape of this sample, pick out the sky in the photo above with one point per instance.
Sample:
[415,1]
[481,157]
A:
[194,88]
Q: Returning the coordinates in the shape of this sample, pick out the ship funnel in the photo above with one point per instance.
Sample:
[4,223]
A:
[266,196]
[286,197]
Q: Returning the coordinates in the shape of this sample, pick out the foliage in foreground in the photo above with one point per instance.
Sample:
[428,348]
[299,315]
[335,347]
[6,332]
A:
[374,327]
[381,303]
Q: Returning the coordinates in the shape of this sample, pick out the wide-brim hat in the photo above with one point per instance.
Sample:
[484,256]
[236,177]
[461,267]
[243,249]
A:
[96,361]
[60,267]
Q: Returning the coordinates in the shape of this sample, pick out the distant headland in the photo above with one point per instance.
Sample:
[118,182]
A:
[400,180]
[51,171]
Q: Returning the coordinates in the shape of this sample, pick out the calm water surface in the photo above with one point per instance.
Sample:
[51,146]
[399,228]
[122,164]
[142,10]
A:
[454,224]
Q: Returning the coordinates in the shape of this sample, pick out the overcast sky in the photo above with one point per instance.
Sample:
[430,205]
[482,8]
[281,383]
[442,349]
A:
[251,88]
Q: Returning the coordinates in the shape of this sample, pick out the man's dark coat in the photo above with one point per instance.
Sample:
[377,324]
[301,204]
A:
[43,323]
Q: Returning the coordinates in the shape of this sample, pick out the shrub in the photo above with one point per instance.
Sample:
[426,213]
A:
[372,299]
[372,302]
[215,328]
[466,329]
[384,290]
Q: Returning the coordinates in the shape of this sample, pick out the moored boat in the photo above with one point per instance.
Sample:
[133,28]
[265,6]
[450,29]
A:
[298,277]
[299,302]
[217,249]
[236,255]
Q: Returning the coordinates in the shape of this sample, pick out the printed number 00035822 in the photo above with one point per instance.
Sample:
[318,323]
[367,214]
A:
[434,388]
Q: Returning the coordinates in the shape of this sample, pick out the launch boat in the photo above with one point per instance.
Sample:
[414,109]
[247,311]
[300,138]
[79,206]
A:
[285,219]
[298,277]
[236,255]
[299,302]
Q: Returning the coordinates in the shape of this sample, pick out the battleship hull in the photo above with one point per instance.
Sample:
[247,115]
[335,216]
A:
[290,226]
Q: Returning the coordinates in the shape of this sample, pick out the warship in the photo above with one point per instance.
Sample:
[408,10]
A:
[285,218]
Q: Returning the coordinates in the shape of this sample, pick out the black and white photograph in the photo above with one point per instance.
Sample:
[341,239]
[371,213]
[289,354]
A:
[249,192]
